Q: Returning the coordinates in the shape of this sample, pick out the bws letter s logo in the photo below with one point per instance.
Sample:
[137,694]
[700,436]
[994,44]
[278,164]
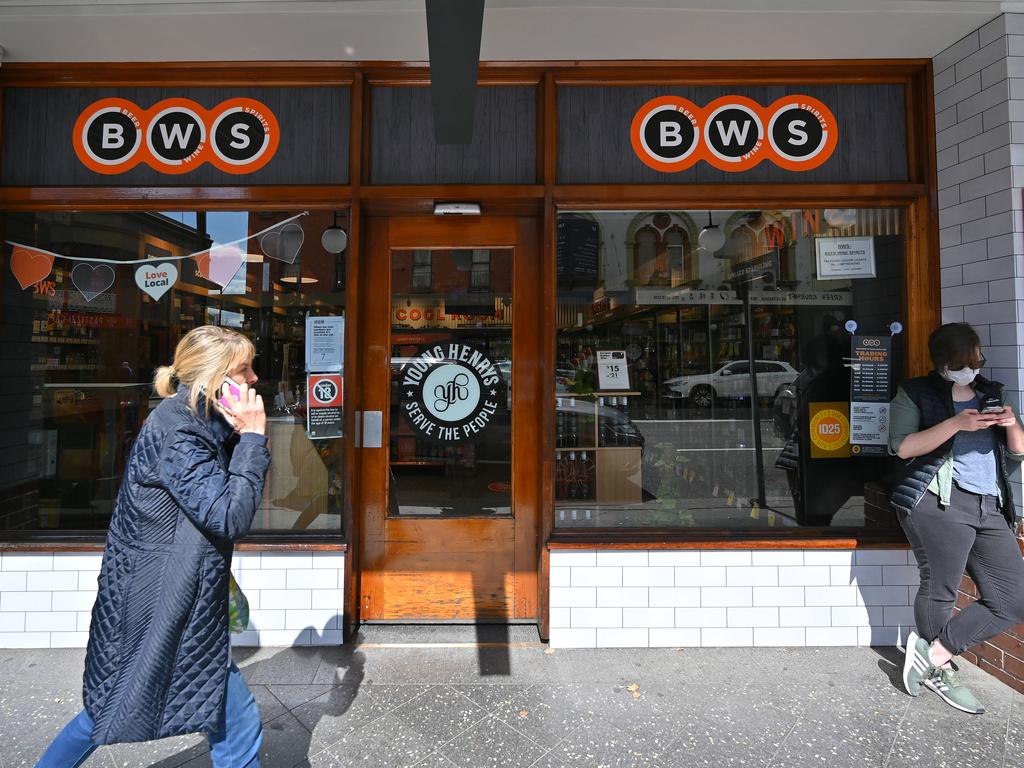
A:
[175,136]
[733,133]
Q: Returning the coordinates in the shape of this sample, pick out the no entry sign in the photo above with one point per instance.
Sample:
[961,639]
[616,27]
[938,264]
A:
[323,405]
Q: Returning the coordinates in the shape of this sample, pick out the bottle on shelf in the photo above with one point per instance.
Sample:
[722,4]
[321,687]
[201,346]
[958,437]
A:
[571,481]
[559,476]
[586,474]
[602,423]
[559,425]
[573,419]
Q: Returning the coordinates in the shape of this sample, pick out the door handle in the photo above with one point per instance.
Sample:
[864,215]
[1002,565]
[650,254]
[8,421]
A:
[373,429]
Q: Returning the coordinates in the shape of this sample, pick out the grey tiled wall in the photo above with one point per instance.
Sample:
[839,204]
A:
[979,123]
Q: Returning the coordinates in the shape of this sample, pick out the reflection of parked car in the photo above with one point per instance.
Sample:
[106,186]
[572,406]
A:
[731,382]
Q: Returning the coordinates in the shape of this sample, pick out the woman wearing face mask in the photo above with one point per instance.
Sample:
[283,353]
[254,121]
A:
[956,506]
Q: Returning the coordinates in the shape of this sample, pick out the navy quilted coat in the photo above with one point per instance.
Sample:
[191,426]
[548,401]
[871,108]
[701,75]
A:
[158,652]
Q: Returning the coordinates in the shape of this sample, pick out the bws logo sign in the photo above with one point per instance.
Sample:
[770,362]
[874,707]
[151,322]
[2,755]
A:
[733,133]
[176,136]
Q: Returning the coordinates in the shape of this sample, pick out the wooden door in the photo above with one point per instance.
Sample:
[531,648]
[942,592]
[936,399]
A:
[450,348]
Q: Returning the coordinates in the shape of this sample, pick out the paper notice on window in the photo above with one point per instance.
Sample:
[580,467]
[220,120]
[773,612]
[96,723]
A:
[612,371]
[845,257]
[325,343]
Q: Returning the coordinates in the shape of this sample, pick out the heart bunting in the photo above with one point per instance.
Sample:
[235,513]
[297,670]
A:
[94,275]
[283,243]
[156,279]
[220,263]
[30,266]
[91,280]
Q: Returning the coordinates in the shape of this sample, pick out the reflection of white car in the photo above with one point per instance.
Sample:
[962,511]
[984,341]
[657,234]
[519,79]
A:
[731,381]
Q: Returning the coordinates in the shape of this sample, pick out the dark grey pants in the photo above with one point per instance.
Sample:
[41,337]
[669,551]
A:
[970,534]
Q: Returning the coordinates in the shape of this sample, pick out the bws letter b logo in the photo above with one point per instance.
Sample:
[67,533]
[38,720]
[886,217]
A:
[733,133]
[176,135]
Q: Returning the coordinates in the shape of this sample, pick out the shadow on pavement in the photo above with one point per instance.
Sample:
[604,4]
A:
[339,701]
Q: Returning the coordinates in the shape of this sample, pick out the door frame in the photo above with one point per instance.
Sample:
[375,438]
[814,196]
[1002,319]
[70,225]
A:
[369,389]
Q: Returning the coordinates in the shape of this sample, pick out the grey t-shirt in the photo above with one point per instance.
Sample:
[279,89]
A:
[974,457]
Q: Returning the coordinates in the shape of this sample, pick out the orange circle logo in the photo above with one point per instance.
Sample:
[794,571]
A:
[830,429]
[734,133]
[176,136]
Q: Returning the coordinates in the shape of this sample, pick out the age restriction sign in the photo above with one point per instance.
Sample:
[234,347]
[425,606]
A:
[323,405]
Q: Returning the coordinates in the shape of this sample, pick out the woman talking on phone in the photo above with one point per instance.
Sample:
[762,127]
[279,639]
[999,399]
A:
[158,661]
[955,504]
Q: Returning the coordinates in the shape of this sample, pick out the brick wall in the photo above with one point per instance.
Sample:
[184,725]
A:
[708,598]
[979,105]
[294,598]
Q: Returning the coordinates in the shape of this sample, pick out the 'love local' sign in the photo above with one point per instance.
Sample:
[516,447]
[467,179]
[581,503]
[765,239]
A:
[156,280]
[450,393]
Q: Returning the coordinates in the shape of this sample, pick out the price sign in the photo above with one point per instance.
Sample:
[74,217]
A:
[612,371]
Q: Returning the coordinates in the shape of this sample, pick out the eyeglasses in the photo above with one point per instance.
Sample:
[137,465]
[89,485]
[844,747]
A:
[980,363]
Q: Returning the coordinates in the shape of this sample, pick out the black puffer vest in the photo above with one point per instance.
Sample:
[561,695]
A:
[933,396]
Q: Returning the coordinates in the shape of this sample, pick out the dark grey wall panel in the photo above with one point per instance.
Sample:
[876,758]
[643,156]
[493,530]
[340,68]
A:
[594,145]
[39,122]
[503,150]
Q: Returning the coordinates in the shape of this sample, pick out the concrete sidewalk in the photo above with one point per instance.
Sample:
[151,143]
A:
[479,697]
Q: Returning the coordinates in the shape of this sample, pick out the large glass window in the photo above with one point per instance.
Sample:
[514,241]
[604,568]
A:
[703,369]
[93,303]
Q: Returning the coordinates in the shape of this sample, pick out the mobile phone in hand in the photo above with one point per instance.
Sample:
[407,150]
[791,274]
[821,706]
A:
[233,389]
[991,404]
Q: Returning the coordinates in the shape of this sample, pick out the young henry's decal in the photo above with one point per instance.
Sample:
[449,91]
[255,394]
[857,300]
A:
[733,133]
[451,393]
[175,136]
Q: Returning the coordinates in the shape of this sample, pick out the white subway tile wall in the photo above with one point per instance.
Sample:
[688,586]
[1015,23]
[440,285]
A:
[732,598]
[294,599]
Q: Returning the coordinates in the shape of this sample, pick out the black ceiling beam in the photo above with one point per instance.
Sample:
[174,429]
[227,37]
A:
[453,40]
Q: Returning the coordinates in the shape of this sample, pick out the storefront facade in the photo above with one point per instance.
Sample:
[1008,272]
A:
[637,399]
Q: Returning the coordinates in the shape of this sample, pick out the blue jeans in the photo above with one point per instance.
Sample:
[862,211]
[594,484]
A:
[237,747]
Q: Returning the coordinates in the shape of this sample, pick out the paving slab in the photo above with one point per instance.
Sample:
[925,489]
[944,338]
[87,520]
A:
[493,697]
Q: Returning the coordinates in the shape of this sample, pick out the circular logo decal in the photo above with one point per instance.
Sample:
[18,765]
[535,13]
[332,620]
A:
[450,393]
[830,429]
[176,135]
[734,132]
[244,136]
[108,136]
[666,133]
[801,132]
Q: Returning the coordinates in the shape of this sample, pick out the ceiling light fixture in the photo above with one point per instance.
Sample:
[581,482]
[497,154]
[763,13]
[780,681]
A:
[711,237]
[456,209]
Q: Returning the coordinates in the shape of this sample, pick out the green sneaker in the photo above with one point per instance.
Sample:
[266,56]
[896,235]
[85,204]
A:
[946,683]
[916,664]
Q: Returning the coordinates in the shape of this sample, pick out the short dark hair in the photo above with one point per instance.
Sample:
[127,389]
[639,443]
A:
[954,346]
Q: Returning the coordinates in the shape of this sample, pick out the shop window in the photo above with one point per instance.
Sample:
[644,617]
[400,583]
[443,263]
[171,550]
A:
[732,359]
[81,342]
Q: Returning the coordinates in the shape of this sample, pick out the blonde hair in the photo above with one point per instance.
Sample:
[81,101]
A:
[203,357]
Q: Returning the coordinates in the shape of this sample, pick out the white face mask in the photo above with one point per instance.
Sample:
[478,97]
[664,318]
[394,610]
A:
[963,377]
